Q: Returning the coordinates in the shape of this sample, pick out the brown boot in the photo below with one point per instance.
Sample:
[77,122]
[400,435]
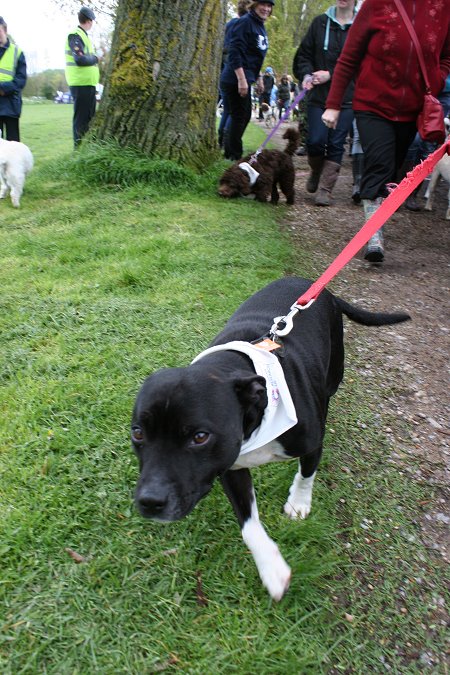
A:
[316,164]
[327,182]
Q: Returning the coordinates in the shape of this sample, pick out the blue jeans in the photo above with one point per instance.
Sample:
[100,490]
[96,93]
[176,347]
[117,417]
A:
[324,142]
[224,120]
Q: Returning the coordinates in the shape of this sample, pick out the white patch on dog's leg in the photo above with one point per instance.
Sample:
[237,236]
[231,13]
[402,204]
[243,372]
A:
[298,504]
[273,570]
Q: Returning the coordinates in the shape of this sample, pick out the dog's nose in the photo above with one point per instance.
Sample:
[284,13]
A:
[151,503]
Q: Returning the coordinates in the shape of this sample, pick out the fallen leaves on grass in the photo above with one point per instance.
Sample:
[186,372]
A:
[202,600]
[76,557]
[160,666]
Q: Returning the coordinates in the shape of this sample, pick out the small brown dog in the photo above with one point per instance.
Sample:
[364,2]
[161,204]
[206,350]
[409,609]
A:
[262,175]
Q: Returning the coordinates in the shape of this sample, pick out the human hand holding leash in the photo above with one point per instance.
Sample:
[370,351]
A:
[320,77]
[330,118]
[307,82]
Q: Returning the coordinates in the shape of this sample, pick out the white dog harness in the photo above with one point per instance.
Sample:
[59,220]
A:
[279,415]
[252,174]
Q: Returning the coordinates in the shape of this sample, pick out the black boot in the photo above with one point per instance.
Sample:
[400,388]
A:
[357,169]
[411,202]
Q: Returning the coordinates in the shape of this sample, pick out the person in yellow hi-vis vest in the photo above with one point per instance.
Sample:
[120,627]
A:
[13,77]
[82,74]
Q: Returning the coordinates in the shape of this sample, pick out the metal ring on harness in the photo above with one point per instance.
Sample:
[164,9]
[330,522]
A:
[288,320]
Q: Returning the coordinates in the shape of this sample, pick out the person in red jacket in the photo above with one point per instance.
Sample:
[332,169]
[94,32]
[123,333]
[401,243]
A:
[389,88]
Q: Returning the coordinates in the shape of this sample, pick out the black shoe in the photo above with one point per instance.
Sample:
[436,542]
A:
[374,252]
[374,255]
[356,195]
[411,203]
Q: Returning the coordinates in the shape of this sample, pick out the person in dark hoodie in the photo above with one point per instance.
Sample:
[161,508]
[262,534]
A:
[246,52]
[313,66]
[242,8]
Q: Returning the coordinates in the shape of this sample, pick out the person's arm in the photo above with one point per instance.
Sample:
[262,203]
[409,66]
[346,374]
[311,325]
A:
[242,81]
[76,45]
[237,49]
[303,65]
[19,80]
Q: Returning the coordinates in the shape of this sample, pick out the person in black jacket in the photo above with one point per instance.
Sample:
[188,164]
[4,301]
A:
[13,77]
[246,51]
[242,8]
[314,63]
[283,95]
[268,80]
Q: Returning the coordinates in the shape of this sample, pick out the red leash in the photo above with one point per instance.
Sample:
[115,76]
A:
[387,208]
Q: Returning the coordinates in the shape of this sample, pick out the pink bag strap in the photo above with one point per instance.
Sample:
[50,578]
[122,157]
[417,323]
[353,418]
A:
[416,43]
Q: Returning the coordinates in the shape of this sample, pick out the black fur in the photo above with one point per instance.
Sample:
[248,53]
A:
[222,397]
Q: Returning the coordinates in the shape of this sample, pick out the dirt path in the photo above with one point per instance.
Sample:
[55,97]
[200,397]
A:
[412,363]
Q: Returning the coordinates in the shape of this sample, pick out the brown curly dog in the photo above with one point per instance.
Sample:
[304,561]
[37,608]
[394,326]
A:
[271,168]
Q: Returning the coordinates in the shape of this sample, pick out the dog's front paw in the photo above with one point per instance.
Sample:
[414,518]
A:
[298,504]
[298,509]
[275,574]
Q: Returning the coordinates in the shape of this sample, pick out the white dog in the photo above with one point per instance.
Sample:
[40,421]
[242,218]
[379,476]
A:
[442,168]
[16,161]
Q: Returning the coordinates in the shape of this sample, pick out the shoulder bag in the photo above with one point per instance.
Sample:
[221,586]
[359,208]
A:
[430,122]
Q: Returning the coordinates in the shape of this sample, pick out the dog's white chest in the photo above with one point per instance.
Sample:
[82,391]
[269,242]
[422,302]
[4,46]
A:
[271,452]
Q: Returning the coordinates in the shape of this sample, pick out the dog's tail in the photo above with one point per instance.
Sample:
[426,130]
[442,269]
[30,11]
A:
[370,318]
[293,138]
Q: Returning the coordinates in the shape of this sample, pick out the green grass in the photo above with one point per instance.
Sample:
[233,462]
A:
[104,279]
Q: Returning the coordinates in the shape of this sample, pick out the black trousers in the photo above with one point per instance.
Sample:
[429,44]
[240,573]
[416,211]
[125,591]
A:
[240,108]
[385,144]
[11,126]
[83,110]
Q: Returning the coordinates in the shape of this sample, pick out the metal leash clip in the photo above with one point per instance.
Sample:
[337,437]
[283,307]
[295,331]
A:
[282,325]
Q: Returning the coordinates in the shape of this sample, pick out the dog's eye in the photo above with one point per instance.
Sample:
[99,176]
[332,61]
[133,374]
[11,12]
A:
[200,437]
[137,435]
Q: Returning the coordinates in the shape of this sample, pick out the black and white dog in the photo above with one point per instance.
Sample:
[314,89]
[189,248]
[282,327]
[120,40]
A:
[238,406]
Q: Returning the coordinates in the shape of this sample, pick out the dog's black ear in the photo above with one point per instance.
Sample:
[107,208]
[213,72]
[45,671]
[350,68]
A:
[252,394]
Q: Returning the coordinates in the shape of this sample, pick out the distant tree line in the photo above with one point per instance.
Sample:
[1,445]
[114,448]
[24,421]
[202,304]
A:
[45,84]
[287,27]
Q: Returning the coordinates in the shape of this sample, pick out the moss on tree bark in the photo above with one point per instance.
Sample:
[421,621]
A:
[162,82]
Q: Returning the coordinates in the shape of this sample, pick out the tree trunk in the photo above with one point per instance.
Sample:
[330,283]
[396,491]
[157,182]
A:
[161,88]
